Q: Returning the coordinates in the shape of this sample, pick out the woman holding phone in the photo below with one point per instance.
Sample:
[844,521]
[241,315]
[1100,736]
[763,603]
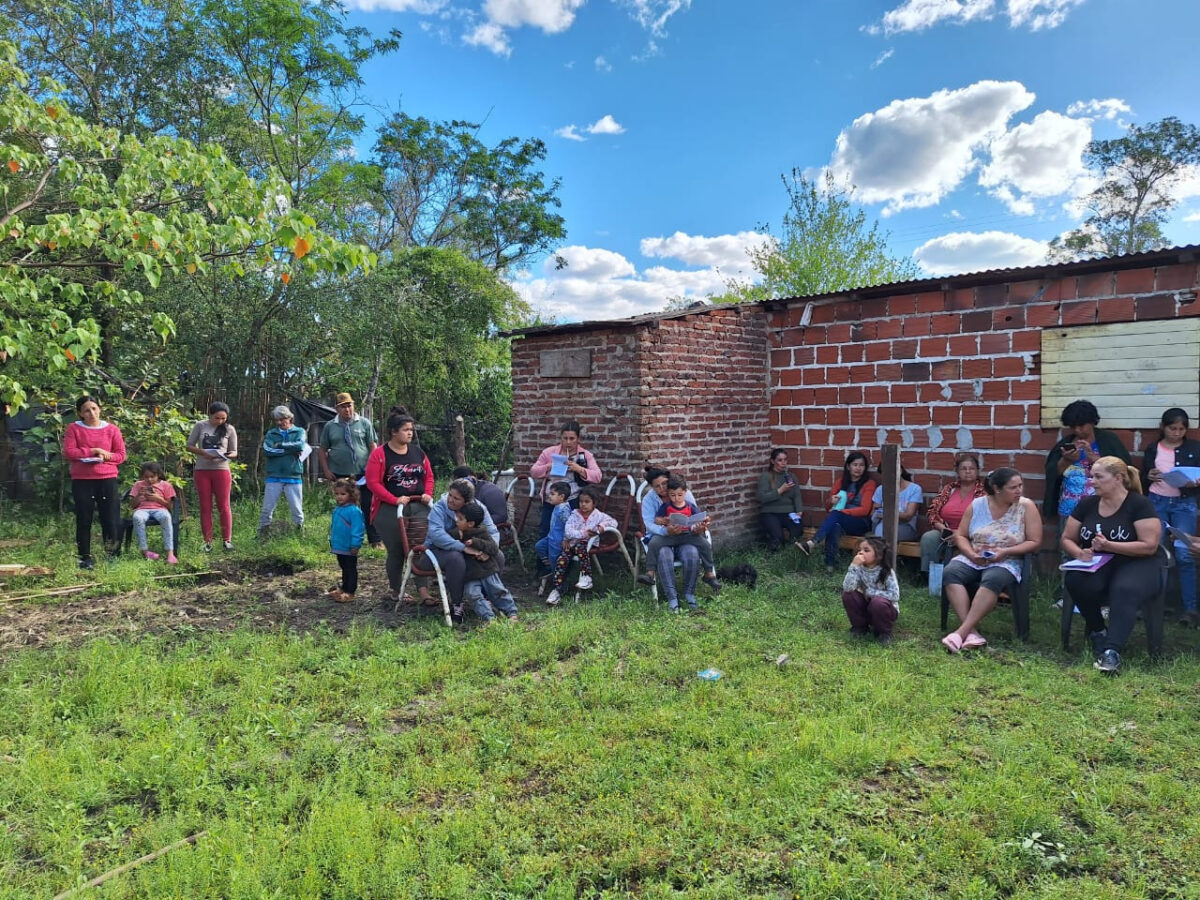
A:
[1175,503]
[779,501]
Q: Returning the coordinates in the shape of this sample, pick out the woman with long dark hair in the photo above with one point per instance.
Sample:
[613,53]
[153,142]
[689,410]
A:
[849,505]
[1175,503]
[213,441]
[95,449]
[400,478]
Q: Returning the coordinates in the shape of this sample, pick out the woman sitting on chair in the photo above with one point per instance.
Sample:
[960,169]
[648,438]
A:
[849,504]
[1115,520]
[995,532]
[947,508]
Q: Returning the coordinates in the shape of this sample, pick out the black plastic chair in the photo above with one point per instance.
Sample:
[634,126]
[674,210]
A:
[178,514]
[1018,596]
[1152,613]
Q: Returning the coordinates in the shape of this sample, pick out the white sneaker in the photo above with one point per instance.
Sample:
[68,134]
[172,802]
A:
[584,583]
[228,545]
[553,599]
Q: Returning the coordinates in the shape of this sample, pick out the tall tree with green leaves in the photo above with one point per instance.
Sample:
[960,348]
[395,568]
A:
[91,220]
[1138,174]
[824,245]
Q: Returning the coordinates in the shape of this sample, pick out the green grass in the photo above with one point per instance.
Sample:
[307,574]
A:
[577,754]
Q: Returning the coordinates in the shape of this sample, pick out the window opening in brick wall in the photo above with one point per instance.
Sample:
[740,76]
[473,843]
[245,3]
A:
[1132,371]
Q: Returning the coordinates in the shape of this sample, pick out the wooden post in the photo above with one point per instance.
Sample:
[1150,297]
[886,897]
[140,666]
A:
[890,469]
[460,442]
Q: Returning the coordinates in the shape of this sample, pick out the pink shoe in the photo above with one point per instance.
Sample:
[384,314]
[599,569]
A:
[952,642]
[149,554]
[974,641]
[171,560]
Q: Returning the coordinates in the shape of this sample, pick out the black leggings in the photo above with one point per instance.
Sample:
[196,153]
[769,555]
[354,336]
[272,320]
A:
[1123,585]
[349,565]
[91,494]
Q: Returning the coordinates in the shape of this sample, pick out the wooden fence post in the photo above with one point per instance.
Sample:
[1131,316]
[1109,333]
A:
[460,442]
[890,469]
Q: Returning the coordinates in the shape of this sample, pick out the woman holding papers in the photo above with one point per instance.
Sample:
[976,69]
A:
[1170,468]
[1116,522]
[214,443]
[565,461]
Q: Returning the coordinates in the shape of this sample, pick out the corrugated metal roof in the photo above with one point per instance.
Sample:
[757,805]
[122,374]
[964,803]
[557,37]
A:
[1187,253]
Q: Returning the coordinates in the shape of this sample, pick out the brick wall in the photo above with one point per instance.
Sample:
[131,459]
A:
[933,370]
[688,393]
[937,371]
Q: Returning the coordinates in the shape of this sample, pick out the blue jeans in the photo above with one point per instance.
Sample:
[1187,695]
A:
[141,517]
[1180,512]
[490,589]
[689,556]
[835,525]
[271,494]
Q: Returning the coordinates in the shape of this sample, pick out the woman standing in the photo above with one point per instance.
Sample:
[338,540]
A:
[580,469]
[947,508]
[779,501]
[849,504]
[995,532]
[95,449]
[1175,505]
[1115,520]
[400,478]
[213,442]
[285,448]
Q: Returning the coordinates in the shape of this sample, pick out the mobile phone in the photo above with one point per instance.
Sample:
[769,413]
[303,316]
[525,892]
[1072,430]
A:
[987,554]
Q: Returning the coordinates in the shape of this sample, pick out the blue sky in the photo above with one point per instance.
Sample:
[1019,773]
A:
[960,122]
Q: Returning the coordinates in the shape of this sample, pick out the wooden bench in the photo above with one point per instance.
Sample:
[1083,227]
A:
[910,549]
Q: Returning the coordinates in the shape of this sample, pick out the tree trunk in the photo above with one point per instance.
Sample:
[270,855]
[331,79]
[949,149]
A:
[460,442]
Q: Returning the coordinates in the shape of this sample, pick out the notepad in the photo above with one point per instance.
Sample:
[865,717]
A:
[1182,476]
[558,468]
[1089,565]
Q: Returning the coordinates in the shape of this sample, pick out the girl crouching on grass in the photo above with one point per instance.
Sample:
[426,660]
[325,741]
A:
[347,528]
[870,591]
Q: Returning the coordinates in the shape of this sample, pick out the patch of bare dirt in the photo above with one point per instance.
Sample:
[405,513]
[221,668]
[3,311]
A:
[265,595]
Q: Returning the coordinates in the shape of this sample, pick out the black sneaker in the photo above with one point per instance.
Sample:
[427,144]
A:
[1109,661]
[87,563]
[646,578]
[883,639]
[712,582]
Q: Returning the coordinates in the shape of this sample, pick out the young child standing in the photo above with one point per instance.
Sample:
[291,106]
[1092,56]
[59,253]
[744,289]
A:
[347,527]
[582,525]
[481,578]
[151,497]
[870,591]
[549,547]
[679,535]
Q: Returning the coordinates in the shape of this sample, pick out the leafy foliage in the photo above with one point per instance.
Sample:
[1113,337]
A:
[824,245]
[91,218]
[1138,173]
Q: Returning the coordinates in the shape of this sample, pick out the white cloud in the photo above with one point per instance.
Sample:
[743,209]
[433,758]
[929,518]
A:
[606,125]
[602,64]
[883,57]
[917,15]
[551,16]
[724,251]
[967,251]
[1042,158]
[569,132]
[1099,109]
[602,284]
[1192,217]
[913,152]
[653,14]
[490,36]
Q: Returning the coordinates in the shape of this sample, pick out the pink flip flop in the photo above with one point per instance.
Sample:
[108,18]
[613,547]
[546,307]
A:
[974,641]
[952,642]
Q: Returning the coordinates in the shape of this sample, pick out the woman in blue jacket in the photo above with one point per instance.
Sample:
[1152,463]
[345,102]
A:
[283,445]
[449,549]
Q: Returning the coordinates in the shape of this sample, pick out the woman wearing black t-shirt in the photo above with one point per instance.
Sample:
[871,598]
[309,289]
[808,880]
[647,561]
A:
[1116,520]
[399,475]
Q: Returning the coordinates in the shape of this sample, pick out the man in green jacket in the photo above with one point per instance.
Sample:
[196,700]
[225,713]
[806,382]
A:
[346,442]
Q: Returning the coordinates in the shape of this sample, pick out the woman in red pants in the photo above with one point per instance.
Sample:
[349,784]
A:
[214,443]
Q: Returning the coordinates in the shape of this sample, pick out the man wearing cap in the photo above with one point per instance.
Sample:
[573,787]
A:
[346,442]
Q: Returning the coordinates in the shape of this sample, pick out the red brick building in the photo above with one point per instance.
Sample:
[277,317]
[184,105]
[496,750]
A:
[933,365]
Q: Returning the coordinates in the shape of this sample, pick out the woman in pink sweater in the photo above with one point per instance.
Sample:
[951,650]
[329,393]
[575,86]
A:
[94,448]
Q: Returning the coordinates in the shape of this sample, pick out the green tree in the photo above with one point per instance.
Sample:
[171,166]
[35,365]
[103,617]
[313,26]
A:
[1138,173]
[824,245]
[90,219]
[443,187]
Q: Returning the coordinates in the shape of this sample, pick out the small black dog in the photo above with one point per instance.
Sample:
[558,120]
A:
[743,573]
